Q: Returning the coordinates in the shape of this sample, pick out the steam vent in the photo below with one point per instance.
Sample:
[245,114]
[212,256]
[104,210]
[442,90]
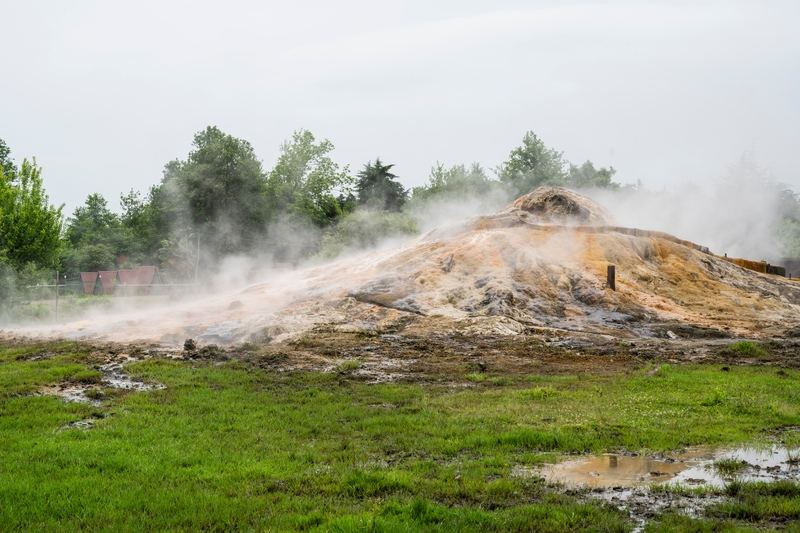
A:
[540,262]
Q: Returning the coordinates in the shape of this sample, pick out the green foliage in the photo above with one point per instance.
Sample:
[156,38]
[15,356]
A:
[365,229]
[532,165]
[7,166]
[94,239]
[139,219]
[30,228]
[456,182]
[177,257]
[30,231]
[18,288]
[304,181]
[377,188]
[93,221]
[219,191]
[588,177]
[301,192]
[788,232]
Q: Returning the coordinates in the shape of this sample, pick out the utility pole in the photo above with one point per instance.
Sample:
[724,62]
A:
[197,263]
[56,297]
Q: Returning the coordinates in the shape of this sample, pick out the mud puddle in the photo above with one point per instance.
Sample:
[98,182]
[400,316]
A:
[624,479]
[695,467]
[112,377]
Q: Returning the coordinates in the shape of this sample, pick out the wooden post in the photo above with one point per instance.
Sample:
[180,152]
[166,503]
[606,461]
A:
[56,297]
[612,281]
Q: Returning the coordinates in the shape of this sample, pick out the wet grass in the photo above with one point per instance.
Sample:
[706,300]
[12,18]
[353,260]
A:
[227,446]
[729,466]
[750,506]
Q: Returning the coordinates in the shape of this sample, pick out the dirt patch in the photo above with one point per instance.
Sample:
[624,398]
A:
[414,353]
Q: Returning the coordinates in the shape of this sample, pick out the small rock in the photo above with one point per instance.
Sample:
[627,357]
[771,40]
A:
[447,264]
[671,335]
[189,344]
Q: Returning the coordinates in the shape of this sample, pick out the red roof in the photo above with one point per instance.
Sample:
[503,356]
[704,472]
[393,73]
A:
[108,279]
[141,275]
[127,276]
[88,279]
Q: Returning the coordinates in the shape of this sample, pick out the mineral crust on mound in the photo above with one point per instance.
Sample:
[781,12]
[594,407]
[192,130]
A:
[500,274]
[555,205]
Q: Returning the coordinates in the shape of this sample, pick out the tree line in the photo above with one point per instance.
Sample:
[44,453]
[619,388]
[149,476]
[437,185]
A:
[220,201]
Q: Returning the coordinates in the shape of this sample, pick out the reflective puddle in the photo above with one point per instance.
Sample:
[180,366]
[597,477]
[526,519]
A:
[692,467]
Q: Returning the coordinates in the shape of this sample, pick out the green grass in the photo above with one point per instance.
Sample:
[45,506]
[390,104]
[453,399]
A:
[348,364]
[729,466]
[746,348]
[234,447]
[749,507]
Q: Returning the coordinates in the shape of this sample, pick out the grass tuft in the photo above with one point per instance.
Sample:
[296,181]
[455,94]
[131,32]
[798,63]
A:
[348,365]
[729,466]
[745,348]
[87,376]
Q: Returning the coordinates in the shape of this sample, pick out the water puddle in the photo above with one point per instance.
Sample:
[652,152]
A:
[623,479]
[112,377]
[116,378]
[693,467]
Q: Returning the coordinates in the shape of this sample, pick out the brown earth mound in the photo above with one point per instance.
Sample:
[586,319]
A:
[501,274]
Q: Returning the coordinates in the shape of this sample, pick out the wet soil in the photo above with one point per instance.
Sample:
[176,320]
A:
[108,360]
[419,352]
[415,355]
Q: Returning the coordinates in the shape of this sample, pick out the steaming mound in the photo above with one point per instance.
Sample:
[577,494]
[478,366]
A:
[502,273]
[554,205]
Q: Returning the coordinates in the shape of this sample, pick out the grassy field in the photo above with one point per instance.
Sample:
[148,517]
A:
[229,446]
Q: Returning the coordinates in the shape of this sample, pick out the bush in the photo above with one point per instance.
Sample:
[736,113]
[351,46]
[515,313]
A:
[17,290]
[365,229]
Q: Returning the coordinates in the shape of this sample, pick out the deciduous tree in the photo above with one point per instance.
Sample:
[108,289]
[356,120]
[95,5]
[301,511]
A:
[304,183]
[30,227]
[532,165]
[588,177]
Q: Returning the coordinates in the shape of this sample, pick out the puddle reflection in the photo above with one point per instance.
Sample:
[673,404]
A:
[693,467]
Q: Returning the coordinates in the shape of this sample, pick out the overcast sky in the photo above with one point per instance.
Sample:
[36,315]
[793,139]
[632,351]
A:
[105,93]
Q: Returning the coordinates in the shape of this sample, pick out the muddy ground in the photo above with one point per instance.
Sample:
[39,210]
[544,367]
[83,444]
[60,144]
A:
[417,353]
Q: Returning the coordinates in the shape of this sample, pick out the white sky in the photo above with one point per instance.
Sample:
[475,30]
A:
[105,93]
